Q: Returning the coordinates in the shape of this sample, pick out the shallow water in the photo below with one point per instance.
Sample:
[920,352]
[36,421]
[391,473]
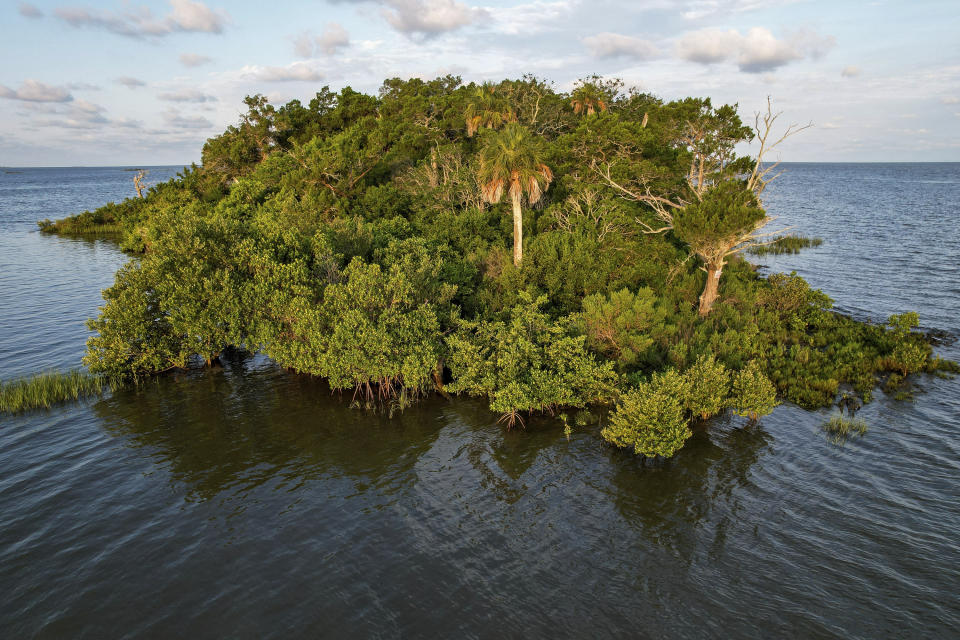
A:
[248,502]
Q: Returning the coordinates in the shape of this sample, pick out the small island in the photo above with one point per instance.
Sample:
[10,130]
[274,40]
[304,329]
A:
[580,254]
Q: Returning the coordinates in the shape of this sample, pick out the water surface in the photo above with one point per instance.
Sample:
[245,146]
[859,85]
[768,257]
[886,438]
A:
[249,502]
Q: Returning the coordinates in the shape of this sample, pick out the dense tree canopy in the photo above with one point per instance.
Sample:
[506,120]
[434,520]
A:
[364,239]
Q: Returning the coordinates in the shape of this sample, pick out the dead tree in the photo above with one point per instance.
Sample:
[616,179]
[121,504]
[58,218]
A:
[138,183]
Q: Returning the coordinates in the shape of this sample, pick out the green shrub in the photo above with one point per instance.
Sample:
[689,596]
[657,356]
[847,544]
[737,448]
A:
[619,326]
[134,338]
[527,364]
[753,393]
[910,352]
[709,387]
[651,418]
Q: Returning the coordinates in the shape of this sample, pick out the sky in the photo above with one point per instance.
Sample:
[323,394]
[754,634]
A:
[125,82]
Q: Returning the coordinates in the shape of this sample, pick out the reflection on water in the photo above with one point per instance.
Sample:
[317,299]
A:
[232,429]
[668,502]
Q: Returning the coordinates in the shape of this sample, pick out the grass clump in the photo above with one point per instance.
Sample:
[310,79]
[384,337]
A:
[840,428]
[44,390]
[786,244]
[74,227]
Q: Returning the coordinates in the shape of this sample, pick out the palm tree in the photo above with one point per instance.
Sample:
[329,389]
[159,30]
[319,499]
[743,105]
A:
[588,99]
[512,159]
[488,109]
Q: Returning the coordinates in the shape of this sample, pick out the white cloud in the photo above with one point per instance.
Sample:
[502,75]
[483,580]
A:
[295,72]
[185,15]
[29,11]
[175,119]
[530,18]
[187,95]
[193,59]
[950,100]
[303,45]
[34,91]
[850,71]
[761,51]
[756,52]
[611,45]
[188,15]
[333,38]
[130,83]
[429,17]
[708,46]
[698,9]
[76,115]
[128,123]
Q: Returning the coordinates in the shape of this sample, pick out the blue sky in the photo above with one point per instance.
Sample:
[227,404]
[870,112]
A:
[128,82]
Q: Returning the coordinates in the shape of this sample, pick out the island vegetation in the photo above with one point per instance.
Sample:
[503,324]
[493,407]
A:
[548,251]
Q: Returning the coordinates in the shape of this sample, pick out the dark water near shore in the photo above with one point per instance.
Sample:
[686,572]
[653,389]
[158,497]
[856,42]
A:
[248,502]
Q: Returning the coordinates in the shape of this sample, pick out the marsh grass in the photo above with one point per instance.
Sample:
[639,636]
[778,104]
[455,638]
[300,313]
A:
[80,227]
[786,244]
[44,390]
[841,429]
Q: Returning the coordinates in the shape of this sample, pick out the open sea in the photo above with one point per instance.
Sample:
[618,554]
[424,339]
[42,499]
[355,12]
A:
[247,502]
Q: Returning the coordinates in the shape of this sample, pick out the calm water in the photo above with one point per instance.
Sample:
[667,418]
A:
[247,502]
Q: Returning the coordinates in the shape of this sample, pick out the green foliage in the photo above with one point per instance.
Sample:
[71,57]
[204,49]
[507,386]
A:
[488,108]
[43,390]
[910,352]
[709,383]
[527,364]
[651,418]
[134,337]
[753,393]
[378,328]
[619,326]
[727,210]
[108,220]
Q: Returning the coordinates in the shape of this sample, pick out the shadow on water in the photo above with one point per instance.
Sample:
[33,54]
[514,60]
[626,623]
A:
[234,428]
[671,503]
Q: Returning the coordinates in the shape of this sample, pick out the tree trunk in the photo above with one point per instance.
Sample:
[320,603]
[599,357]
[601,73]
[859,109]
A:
[710,289]
[517,231]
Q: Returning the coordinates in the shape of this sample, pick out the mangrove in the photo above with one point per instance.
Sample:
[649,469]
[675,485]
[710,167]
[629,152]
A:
[367,240]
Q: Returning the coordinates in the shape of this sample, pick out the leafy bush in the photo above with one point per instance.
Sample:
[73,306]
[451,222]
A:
[709,387]
[651,418]
[527,364]
[134,337]
[910,352]
[619,326]
[753,393]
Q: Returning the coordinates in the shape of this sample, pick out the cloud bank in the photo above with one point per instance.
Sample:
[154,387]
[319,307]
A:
[613,45]
[35,91]
[758,51]
[184,16]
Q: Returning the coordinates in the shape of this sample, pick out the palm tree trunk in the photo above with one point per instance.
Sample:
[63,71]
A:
[517,230]
[710,289]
